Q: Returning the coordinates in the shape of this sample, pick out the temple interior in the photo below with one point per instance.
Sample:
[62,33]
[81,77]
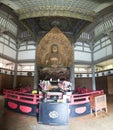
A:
[56,64]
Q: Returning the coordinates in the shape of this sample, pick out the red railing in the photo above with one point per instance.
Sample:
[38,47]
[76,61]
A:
[22,97]
[35,98]
[83,98]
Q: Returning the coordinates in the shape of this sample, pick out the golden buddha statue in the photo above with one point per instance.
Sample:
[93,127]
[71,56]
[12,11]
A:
[53,59]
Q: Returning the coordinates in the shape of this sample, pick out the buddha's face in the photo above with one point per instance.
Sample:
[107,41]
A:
[54,48]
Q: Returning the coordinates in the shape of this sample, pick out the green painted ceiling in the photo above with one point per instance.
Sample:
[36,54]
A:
[69,15]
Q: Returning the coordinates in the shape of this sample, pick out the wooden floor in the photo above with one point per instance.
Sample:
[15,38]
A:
[10,120]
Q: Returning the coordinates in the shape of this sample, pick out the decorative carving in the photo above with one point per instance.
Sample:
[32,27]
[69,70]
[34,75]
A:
[54,39]
[54,73]
[54,56]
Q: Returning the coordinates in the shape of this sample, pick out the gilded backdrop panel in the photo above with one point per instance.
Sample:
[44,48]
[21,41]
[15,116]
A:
[54,37]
